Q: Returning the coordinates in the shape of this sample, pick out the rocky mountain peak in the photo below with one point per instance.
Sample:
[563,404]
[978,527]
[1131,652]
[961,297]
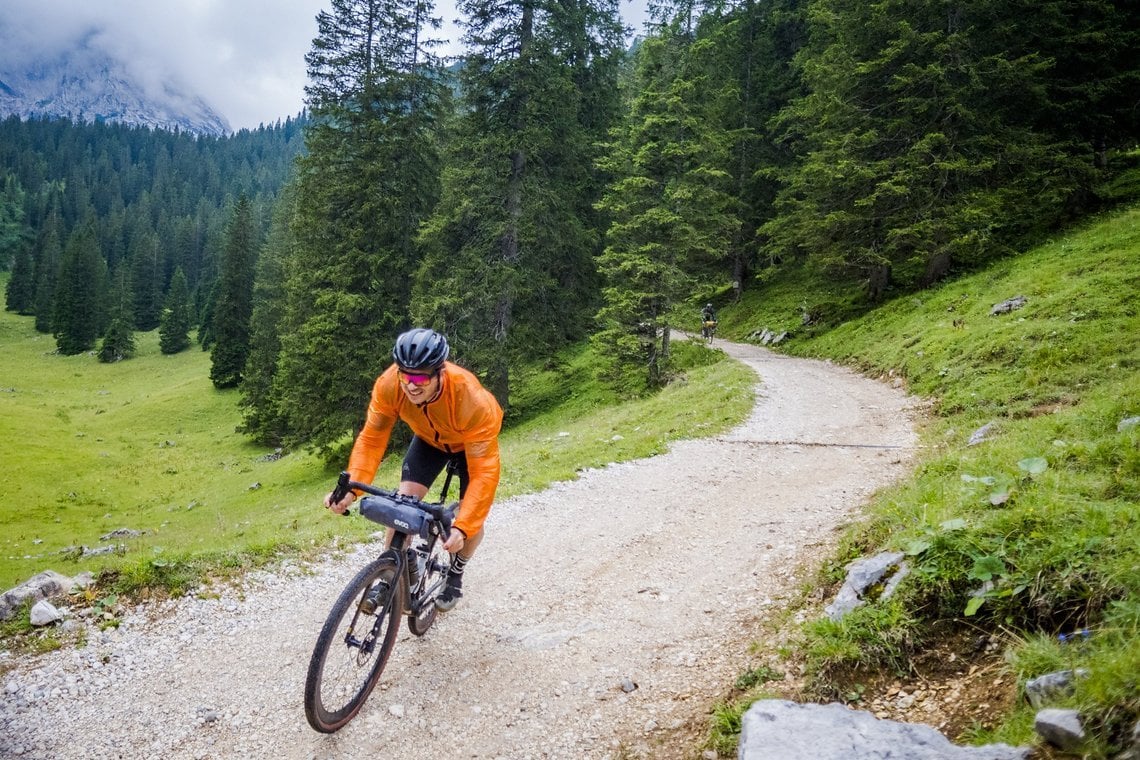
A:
[87,83]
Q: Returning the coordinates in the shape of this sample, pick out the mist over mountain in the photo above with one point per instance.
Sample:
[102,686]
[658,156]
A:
[89,81]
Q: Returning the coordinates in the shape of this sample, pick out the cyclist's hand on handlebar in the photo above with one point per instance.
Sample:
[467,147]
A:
[341,506]
[455,541]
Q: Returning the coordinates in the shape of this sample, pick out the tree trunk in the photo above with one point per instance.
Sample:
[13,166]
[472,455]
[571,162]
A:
[936,268]
[499,377]
[878,278]
[739,270]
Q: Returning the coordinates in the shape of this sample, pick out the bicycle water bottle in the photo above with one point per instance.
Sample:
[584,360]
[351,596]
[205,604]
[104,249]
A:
[415,566]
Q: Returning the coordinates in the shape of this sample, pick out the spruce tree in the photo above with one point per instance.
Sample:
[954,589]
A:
[262,419]
[206,317]
[671,210]
[917,145]
[20,293]
[517,220]
[1092,82]
[369,179]
[234,305]
[14,232]
[80,308]
[144,253]
[743,61]
[48,254]
[119,339]
[174,327]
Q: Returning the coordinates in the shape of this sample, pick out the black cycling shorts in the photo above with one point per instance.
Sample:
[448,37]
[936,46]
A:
[424,462]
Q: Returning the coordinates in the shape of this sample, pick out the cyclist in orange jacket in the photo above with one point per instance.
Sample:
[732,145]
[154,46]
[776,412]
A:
[454,418]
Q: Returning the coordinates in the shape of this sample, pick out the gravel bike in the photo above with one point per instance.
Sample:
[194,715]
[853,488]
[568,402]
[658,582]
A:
[708,329]
[360,632]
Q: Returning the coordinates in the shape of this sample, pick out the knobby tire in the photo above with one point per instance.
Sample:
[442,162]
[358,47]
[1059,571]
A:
[341,676]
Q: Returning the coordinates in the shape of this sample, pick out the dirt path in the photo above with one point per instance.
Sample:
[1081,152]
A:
[644,573]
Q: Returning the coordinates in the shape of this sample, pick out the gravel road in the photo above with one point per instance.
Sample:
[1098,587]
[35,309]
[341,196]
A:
[650,574]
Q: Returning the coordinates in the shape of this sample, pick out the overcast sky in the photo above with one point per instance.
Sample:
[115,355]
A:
[246,58]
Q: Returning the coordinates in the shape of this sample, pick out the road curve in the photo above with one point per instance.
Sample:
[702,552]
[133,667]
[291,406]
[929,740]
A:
[603,616]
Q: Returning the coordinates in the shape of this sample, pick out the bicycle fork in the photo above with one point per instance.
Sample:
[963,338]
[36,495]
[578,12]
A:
[368,607]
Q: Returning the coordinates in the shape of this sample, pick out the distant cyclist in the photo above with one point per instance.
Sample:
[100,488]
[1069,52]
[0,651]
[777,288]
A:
[454,418]
[708,322]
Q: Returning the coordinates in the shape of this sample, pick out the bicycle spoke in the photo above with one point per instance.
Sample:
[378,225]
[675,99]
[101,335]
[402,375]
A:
[352,649]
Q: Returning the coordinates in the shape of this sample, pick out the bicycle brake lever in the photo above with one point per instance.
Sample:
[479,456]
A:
[341,491]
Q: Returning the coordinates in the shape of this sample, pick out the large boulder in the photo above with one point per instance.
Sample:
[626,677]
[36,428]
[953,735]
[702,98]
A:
[777,728]
[45,585]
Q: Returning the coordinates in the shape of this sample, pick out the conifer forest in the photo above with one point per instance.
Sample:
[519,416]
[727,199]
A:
[555,185]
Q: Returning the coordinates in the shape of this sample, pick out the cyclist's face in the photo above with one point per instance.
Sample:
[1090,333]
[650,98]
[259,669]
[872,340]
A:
[420,385]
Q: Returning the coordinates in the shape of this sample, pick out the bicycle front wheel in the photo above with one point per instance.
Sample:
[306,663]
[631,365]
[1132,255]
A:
[353,648]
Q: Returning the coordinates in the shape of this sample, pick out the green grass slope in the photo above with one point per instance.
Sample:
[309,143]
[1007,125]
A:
[1029,528]
[149,445]
[143,445]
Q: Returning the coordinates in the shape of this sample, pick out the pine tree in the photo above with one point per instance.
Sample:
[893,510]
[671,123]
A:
[234,305]
[369,179]
[174,328]
[119,340]
[671,211]
[80,307]
[508,255]
[262,419]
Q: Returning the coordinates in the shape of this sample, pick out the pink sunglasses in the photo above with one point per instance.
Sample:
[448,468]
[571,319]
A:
[416,379]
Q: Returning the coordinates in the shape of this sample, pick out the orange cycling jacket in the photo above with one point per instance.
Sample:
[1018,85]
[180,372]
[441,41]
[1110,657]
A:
[464,416]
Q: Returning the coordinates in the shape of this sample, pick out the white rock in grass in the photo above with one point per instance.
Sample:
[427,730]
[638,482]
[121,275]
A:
[45,613]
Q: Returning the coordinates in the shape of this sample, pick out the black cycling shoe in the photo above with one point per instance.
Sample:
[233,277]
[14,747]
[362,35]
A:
[375,598]
[450,596]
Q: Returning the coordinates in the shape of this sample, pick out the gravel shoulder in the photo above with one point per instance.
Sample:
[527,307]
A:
[651,572]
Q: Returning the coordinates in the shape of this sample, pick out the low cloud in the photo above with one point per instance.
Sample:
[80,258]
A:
[243,57]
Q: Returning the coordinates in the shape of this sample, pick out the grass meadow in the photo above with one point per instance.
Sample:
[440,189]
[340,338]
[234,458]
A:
[149,445]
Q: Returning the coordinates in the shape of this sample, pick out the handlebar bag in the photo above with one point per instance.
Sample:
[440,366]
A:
[405,518]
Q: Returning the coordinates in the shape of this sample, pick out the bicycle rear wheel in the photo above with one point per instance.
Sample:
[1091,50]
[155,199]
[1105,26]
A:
[353,648]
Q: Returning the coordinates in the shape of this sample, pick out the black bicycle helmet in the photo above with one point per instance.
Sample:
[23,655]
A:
[420,348]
